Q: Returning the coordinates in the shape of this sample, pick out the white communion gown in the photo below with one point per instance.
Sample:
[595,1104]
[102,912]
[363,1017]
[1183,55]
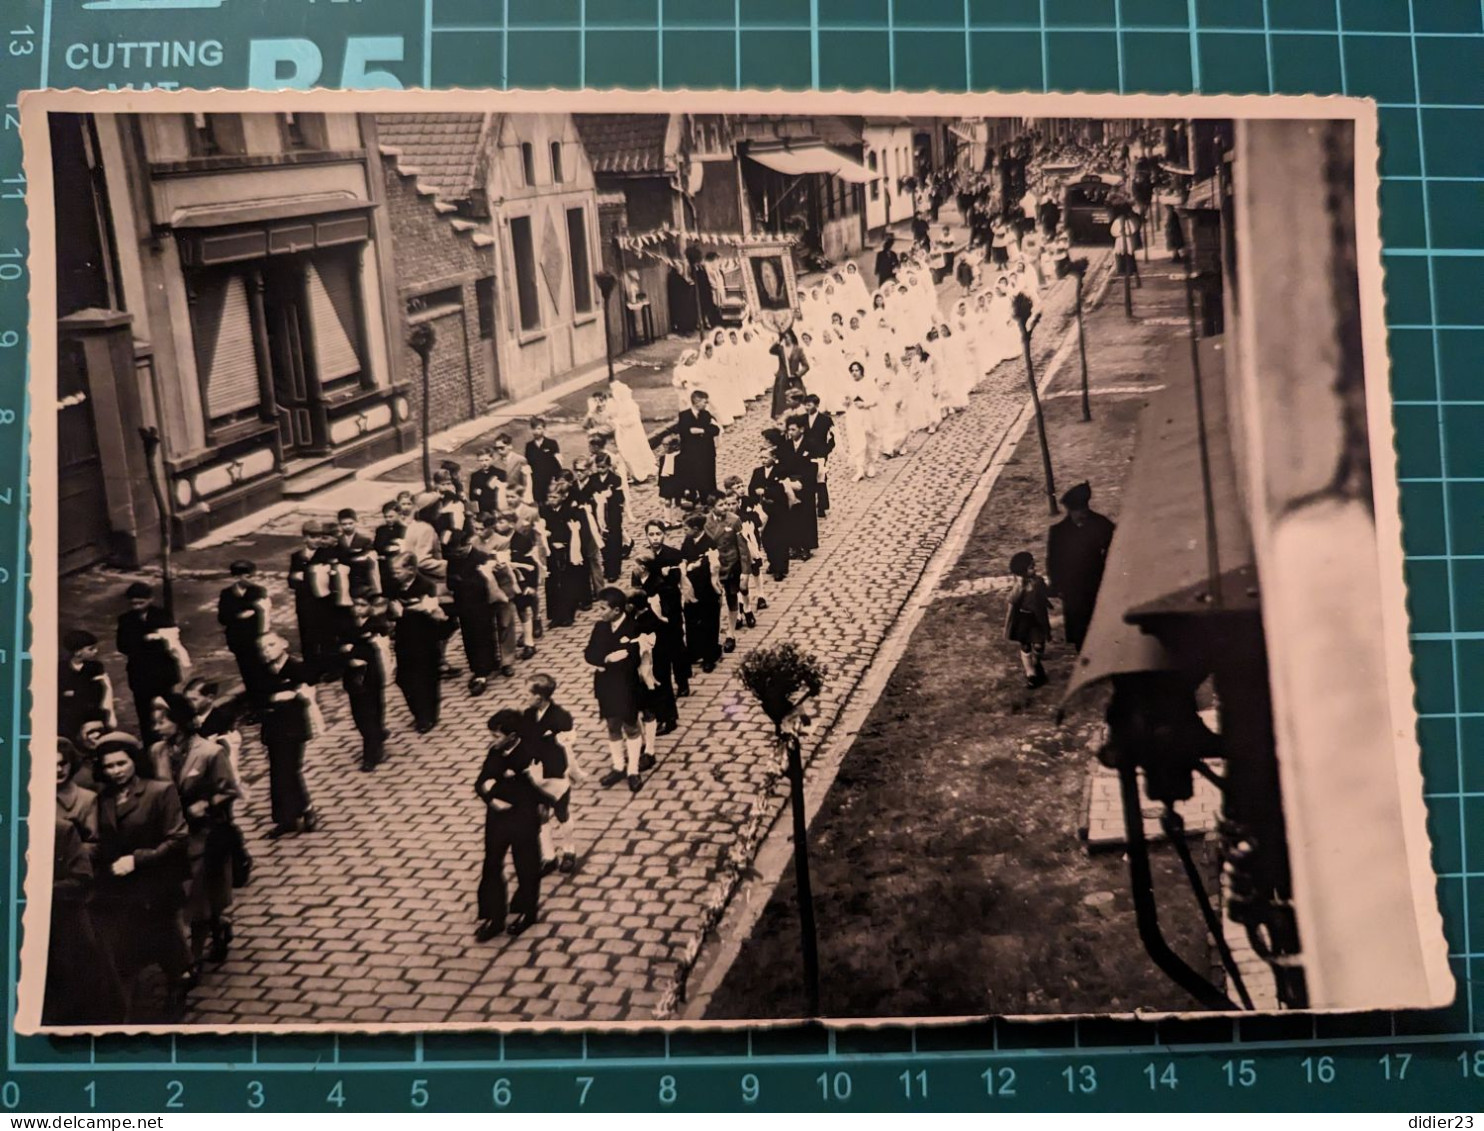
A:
[629,437]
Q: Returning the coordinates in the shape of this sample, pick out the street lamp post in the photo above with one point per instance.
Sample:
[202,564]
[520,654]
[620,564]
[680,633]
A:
[421,340]
[606,282]
[808,932]
[1022,311]
[150,438]
[784,679]
[1079,273]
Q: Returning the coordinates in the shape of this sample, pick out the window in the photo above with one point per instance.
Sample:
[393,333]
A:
[524,251]
[222,324]
[302,131]
[434,304]
[582,278]
[334,301]
[556,163]
[484,297]
[528,162]
[212,135]
[829,198]
[874,166]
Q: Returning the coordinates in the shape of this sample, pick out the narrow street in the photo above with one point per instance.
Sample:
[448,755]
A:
[370,919]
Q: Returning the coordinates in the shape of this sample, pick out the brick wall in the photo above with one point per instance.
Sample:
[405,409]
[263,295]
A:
[430,254]
[448,375]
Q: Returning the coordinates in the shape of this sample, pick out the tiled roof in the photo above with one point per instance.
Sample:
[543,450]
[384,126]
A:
[624,143]
[440,150]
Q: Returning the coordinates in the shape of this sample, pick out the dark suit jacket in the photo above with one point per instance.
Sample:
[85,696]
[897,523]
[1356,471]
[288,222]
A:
[557,720]
[357,555]
[143,819]
[365,666]
[150,661]
[544,462]
[507,769]
[287,721]
[819,435]
[484,489]
[243,633]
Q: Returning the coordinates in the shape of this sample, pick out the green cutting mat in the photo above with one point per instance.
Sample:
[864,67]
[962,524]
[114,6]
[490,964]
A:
[1423,62]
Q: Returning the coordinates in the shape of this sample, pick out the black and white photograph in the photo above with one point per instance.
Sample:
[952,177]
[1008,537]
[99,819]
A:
[512,559]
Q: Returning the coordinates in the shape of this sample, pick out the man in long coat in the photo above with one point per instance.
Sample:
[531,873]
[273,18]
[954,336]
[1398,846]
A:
[1076,552]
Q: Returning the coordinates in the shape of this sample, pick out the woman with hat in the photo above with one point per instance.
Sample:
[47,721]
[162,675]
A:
[202,775]
[82,987]
[140,866]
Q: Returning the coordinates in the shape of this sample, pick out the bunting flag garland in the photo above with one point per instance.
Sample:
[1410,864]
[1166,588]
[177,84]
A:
[658,243]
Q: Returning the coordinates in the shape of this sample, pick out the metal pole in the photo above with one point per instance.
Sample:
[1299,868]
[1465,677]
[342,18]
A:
[421,340]
[801,874]
[1030,376]
[150,437]
[608,335]
[1082,351]
[1213,555]
[427,418]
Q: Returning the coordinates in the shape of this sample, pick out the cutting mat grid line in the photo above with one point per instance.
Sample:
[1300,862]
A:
[1422,61]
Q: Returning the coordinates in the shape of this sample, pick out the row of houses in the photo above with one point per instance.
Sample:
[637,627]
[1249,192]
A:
[244,286]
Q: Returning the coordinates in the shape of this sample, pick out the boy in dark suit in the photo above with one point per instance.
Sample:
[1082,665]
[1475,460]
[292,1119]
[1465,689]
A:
[244,613]
[142,638]
[819,438]
[83,686]
[357,553]
[695,466]
[386,543]
[366,660]
[614,658]
[286,708]
[543,454]
[512,823]
[485,483]
[311,579]
[549,722]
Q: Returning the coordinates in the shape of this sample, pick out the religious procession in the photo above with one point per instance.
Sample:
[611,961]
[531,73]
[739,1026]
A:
[556,627]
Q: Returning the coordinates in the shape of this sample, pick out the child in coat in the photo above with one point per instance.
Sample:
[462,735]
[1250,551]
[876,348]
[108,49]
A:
[1028,617]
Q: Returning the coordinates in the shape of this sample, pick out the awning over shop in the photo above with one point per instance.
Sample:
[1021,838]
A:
[811,157]
[1158,564]
[232,233]
[265,211]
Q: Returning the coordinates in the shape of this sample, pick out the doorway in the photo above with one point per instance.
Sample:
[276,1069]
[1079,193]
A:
[299,407]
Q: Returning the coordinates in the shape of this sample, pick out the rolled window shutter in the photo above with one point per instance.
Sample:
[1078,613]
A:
[232,374]
[331,305]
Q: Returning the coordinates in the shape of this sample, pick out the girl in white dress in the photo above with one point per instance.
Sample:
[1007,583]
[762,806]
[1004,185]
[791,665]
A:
[861,439]
[891,409]
[963,333]
[857,294]
[686,379]
[726,394]
[757,376]
[1003,330]
[827,378]
[629,437]
[956,374]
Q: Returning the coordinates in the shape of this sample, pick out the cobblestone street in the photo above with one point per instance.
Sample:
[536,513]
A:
[370,919]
